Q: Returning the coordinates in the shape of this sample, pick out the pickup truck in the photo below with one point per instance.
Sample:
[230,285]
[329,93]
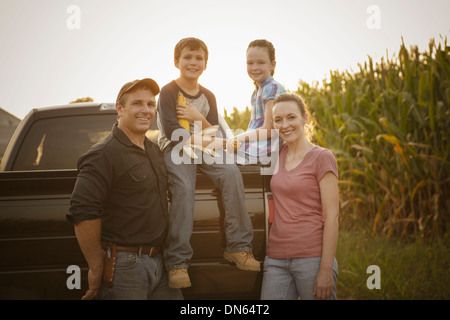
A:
[38,247]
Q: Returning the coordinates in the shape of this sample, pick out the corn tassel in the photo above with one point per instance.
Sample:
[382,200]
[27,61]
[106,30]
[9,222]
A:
[183,122]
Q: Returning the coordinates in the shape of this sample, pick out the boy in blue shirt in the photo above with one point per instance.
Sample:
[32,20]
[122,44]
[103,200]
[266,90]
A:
[191,56]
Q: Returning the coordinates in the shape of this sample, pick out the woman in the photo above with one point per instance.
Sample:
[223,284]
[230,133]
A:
[303,237]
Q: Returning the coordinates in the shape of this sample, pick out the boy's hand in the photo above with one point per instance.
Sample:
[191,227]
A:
[217,144]
[232,145]
[188,112]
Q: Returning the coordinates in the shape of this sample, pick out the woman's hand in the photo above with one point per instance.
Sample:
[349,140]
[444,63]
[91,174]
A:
[323,285]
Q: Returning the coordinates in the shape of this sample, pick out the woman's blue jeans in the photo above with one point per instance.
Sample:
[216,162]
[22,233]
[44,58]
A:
[292,278]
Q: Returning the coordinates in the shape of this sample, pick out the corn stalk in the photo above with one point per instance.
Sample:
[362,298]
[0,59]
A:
[388,125]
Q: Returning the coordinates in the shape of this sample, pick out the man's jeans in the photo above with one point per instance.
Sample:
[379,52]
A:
[291,278]
[237,224]
[139,278]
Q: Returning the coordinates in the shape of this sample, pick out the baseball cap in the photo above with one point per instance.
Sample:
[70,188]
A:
[132,84]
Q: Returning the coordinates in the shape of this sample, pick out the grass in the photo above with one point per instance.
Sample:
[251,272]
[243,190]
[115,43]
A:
[411,270]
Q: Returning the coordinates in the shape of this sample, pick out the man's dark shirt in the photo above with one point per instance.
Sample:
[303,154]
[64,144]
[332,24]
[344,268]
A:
[126,187]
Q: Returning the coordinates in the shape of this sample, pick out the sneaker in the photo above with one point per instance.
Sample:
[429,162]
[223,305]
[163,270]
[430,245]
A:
[244,260]
[179,278]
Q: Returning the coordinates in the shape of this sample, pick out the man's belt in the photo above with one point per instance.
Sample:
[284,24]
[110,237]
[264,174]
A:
[150,251]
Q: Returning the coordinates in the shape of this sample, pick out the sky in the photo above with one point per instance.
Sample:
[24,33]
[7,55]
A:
[56,51]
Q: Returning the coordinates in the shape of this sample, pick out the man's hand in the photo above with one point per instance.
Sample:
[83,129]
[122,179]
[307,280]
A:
[94,281]
[88,235]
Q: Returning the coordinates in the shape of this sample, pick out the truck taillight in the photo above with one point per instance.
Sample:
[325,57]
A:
[271,206]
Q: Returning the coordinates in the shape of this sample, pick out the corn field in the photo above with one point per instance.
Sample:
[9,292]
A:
[388,124]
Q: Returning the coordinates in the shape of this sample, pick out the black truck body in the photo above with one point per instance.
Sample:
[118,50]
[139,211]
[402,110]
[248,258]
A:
[37,244]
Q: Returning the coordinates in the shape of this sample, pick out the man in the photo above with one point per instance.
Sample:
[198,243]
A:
[119,204]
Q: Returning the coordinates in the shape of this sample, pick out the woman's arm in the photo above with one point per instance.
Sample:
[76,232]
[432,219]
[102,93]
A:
[329,193]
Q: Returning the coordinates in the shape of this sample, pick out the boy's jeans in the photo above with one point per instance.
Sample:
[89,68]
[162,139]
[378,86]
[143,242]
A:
[237,224]
[290,278]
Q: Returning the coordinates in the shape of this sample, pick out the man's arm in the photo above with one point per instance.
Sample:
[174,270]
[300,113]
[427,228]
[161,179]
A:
[88,196]
[88,233]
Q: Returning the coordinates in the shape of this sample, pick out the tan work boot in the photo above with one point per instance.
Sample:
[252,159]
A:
[179,278]
[244,260]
